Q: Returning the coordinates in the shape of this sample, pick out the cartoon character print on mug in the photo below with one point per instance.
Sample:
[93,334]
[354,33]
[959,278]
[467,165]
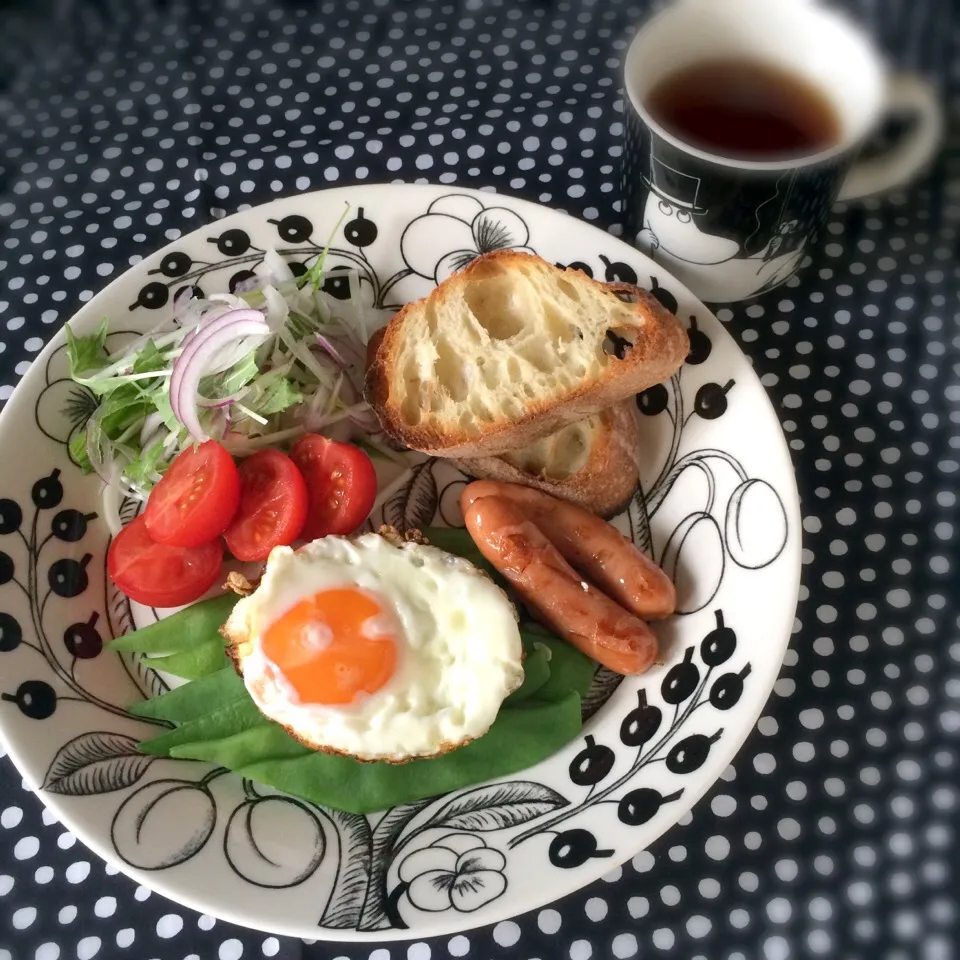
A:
[731,229]
[725,232]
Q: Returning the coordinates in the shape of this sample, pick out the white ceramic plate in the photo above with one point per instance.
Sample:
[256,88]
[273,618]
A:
[718,509]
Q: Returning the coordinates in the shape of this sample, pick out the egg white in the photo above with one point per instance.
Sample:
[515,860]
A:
[459,652]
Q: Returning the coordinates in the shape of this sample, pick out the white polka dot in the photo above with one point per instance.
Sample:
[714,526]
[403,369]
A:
[717,847]
[625,945]
[105,906]
[779,910]
[548,921]
[169,925]
[78,872]
[663,938]
[458,946]
[231,949]
[709,888]
[26,847]
[670,895]
[506,933]
[88,947]
[723,805]
[581,950]
[638,907]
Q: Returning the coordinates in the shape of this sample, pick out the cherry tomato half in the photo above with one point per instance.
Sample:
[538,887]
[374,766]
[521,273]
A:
[159,575]
[196,499]
[273,506]
[341,485]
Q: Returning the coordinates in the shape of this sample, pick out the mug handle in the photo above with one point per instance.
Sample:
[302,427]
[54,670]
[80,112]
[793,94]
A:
[908,94]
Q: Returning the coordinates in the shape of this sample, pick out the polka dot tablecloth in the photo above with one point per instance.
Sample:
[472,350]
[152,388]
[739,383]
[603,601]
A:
[124,125]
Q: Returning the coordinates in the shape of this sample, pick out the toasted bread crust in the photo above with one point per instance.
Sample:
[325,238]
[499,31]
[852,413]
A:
[659,349]
[605,483]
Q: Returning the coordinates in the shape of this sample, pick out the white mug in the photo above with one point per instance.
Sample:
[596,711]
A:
[730,229]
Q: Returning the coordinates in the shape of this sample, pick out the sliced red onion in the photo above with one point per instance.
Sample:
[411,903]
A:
[233,354]
[197,337]
[366,422]
[190,366]
[185,346]
[181,300]
[231,300]
[221,423]
[248,285]
[348,391]
[341,431]
[352,345]
[334,353]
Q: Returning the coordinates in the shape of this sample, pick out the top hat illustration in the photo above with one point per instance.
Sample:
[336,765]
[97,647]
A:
[679,189]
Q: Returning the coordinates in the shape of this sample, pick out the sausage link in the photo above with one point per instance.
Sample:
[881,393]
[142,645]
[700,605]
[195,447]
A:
[591,545]
[578,612]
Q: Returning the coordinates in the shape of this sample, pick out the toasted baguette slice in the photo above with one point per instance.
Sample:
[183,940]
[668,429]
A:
[510,350]
[592,463]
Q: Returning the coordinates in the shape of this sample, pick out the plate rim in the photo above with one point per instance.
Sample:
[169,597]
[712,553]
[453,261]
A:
[446,923]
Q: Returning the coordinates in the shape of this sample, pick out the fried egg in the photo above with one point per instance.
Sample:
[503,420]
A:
[376,648]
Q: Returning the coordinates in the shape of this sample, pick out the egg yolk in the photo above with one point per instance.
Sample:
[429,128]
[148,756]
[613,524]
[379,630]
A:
[333,646]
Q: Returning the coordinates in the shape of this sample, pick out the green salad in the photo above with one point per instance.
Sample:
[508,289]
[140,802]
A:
[256,368]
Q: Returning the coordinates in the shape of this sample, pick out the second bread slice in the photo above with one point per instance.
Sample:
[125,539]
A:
[592,463]
[510,350]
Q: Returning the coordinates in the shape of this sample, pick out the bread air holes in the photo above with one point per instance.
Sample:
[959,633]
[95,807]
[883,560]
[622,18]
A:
[568,289]
[537,352]
[616,346]
[412,402]
[556,326]
[480,410]
[468,424]
[496,306]
[448,369]
[511,408]
[488,374]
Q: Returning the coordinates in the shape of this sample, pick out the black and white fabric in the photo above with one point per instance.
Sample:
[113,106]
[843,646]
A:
[124,125]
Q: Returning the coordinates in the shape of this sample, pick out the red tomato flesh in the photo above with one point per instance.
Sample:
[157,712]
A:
[196,499]
[157,574]
[273,506]
[341,485]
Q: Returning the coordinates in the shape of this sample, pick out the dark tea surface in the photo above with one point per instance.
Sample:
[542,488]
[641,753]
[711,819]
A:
[745,109]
